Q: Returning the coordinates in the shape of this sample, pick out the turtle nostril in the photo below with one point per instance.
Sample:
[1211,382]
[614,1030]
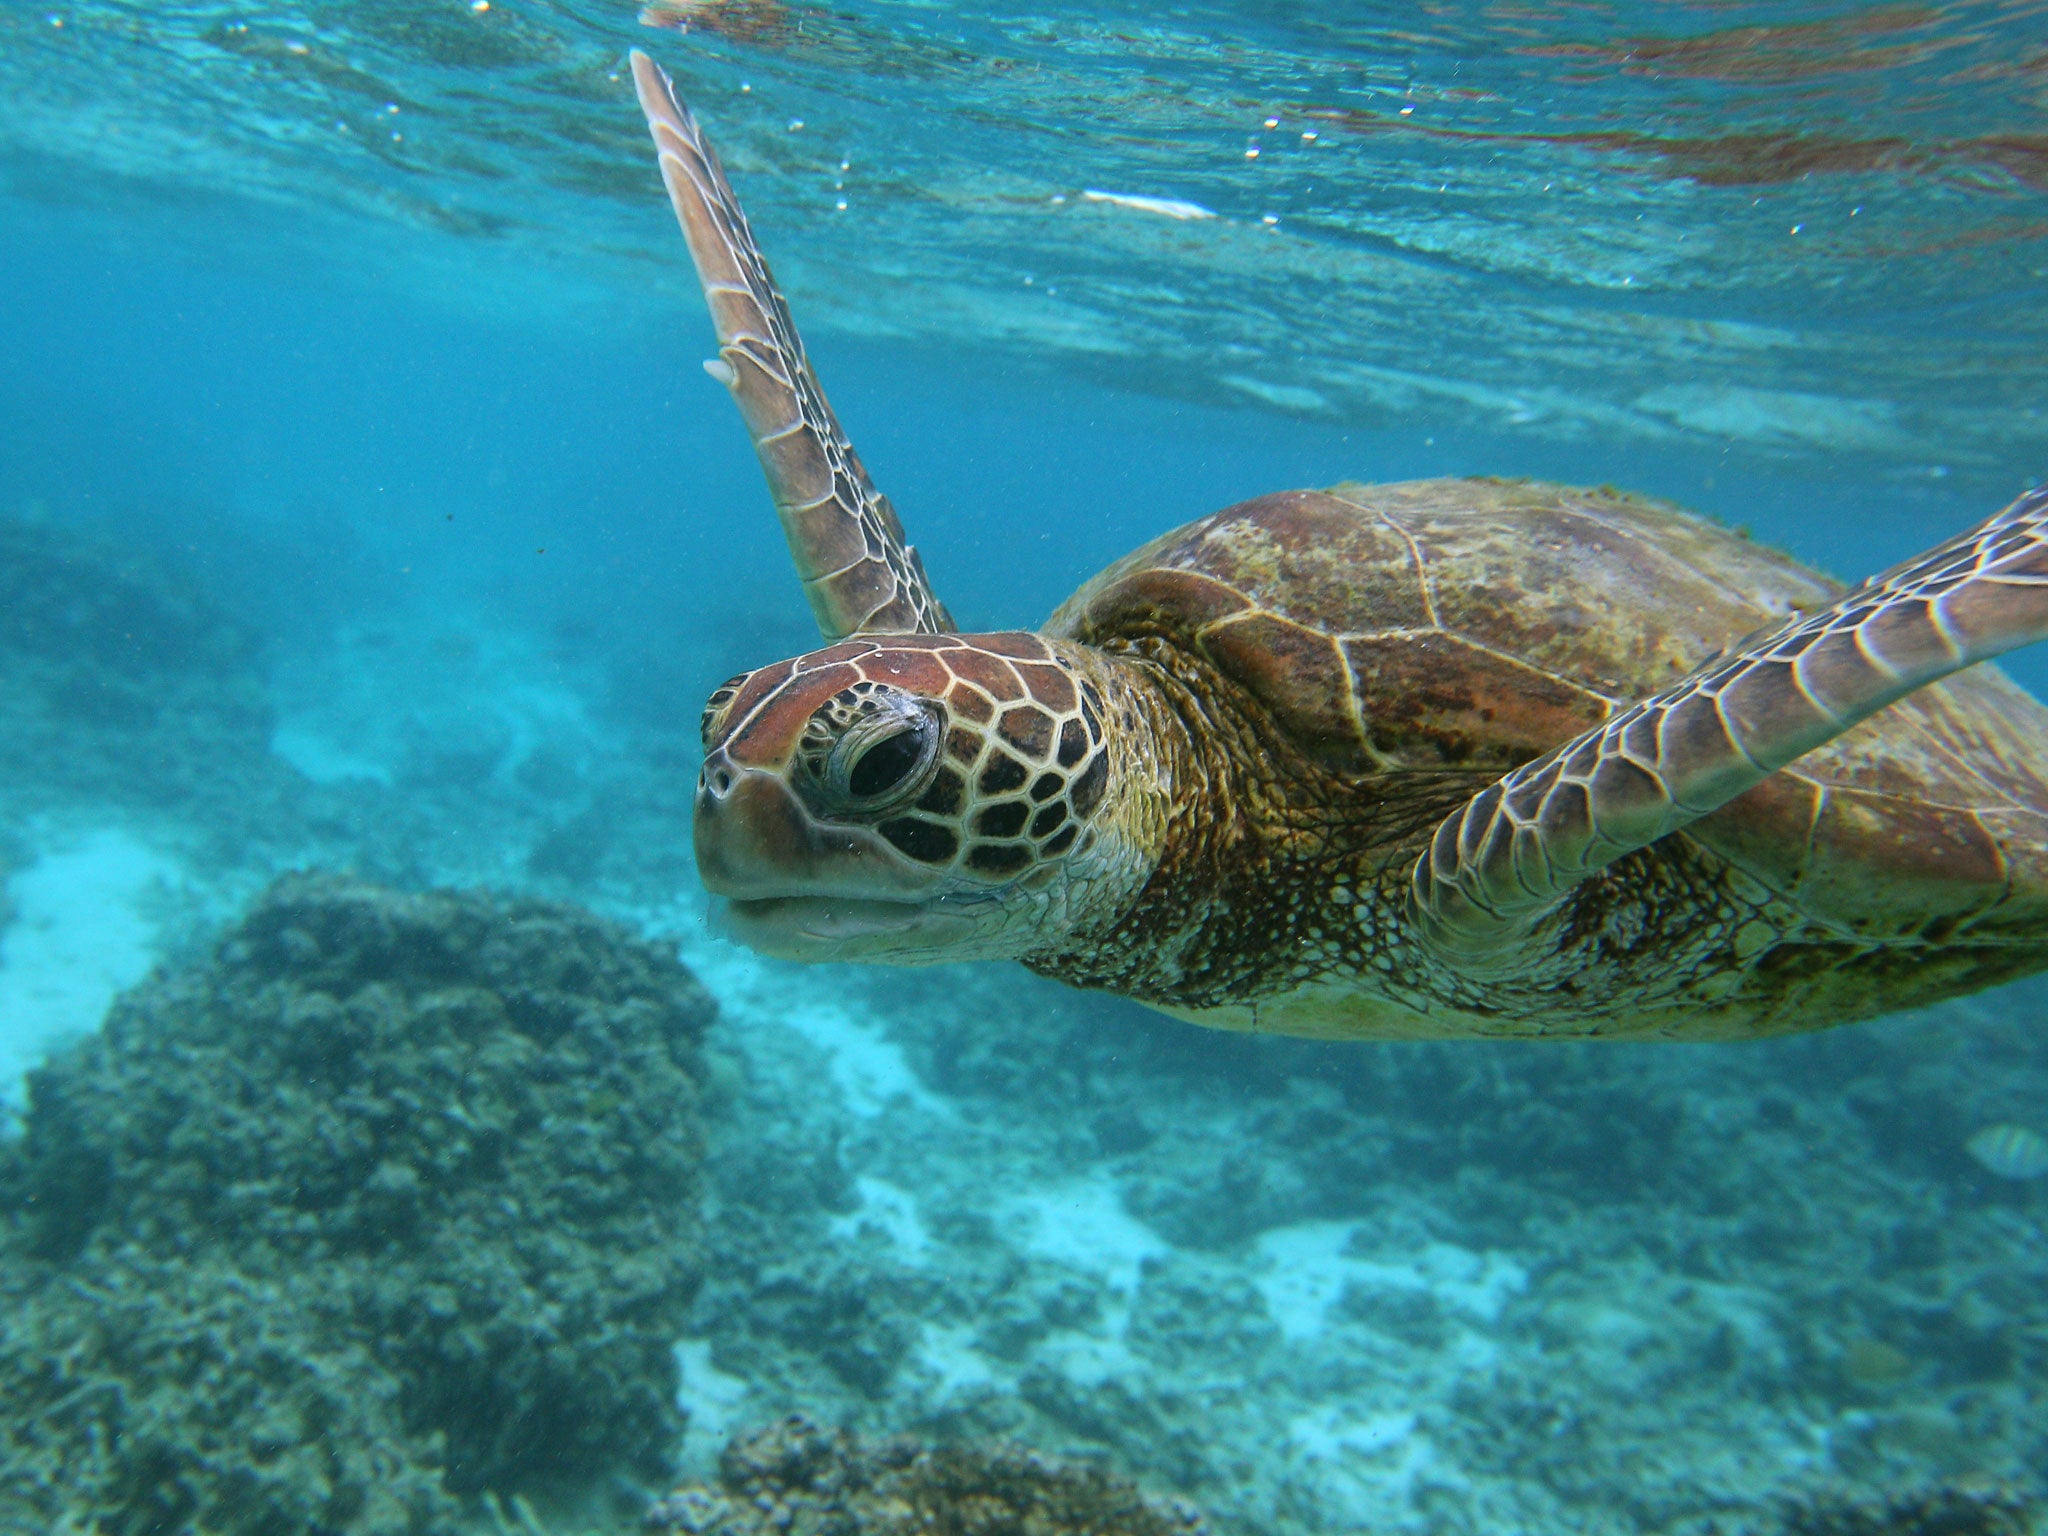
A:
[715,781]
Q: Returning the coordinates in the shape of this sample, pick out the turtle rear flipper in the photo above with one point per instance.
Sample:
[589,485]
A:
[1498,866]
[860,575]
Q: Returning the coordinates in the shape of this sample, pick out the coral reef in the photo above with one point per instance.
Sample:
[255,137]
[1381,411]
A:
[175,1395]
[795,1478]
[393,1203]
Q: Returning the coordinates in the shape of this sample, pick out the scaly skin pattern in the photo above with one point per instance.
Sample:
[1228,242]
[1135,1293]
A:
[857,569]
[1260,856]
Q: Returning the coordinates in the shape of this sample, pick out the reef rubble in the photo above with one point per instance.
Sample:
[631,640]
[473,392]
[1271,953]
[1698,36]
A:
[796,1478]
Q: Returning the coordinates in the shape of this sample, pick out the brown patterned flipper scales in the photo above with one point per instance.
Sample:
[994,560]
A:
[861,576]
[1500,865]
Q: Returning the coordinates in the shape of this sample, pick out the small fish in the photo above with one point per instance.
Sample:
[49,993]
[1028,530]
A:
[2010,1151]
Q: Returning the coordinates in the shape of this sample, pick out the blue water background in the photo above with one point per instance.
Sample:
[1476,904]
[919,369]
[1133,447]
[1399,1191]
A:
[313,441]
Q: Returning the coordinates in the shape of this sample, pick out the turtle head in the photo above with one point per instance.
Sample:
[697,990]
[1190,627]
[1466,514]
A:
[907,798]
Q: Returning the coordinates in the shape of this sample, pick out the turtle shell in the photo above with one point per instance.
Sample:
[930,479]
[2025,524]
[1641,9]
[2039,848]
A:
[1473,624]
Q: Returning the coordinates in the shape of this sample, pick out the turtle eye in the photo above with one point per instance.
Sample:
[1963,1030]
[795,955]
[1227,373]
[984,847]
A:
[883,757]
[885,765]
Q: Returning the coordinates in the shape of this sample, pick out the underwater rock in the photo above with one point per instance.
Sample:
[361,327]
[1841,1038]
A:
[394,1202]
[795,1478]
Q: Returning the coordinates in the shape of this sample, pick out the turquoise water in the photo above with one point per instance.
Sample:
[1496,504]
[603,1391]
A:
[363,333]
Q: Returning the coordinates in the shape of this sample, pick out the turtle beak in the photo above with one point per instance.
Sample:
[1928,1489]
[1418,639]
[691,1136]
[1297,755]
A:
[800,889]
[756,842]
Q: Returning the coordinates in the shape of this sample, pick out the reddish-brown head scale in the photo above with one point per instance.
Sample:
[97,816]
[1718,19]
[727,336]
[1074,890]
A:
[849,794]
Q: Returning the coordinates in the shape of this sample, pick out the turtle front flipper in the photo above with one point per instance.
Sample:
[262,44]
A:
[1497,867]
[860,575]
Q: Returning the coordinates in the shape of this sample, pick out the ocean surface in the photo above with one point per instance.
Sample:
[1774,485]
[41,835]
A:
[355,456]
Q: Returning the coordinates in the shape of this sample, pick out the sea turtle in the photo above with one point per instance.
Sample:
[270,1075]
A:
[1445,758]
